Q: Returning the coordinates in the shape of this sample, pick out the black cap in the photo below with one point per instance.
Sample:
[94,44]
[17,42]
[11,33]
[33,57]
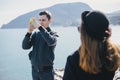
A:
[95,23]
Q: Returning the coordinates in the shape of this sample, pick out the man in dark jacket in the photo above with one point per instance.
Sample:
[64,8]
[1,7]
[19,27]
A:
[43,42]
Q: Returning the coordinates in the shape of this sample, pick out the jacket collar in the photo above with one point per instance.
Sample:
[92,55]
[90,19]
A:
[48,29]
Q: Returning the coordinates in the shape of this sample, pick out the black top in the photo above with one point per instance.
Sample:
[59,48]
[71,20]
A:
[43,43]
[74,72]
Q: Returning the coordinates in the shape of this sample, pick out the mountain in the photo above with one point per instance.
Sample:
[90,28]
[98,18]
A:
[66,14]
[114,18]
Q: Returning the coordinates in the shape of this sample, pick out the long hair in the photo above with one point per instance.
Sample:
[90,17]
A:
[95,54]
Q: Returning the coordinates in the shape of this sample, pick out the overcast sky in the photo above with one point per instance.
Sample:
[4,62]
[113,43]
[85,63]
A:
[10,9]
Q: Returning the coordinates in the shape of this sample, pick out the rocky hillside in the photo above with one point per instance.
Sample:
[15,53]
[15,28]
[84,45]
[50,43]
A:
[114,18]
[66,14]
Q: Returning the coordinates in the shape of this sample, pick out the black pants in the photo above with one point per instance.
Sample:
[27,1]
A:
[46,73]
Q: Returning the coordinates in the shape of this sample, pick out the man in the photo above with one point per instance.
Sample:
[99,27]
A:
[43,43]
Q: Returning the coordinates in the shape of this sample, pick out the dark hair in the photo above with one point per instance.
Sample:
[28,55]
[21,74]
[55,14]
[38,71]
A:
[95,51]
[95,24]
[47,13]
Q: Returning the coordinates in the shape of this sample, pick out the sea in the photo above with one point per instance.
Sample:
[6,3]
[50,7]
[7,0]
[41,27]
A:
[14,61]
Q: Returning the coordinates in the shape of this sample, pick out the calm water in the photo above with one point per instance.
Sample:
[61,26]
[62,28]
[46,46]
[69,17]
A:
[14,62]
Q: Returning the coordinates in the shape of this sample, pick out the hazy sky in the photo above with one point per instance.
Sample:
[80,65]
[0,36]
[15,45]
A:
[10,9]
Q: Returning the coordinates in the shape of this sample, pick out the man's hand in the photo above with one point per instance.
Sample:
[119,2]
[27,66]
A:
[37,24]
[31,25]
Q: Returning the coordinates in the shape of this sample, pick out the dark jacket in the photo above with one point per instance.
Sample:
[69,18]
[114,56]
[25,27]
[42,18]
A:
[43,43]
[74,72]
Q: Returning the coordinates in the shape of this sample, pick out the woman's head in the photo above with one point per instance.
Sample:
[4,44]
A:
[96,48]
[95,24]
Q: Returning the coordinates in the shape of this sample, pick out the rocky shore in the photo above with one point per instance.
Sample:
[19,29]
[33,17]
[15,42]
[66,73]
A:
[58,74]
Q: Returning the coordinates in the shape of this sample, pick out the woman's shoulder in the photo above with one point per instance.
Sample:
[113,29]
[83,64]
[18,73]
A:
[74,57]
[75,54]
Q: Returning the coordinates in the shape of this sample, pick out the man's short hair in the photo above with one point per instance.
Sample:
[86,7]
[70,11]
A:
[47,13]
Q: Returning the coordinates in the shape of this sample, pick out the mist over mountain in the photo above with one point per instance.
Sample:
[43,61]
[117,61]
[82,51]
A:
[114,18]
[65,14]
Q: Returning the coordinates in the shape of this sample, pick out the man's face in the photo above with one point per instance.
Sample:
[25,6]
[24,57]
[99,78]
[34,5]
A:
[44,21]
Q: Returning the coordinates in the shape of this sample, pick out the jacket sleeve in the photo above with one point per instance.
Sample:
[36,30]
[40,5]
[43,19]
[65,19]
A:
[69,70]
[28,41]
[49,38]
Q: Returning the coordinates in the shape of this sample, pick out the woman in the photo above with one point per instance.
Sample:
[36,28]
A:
[98,57]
